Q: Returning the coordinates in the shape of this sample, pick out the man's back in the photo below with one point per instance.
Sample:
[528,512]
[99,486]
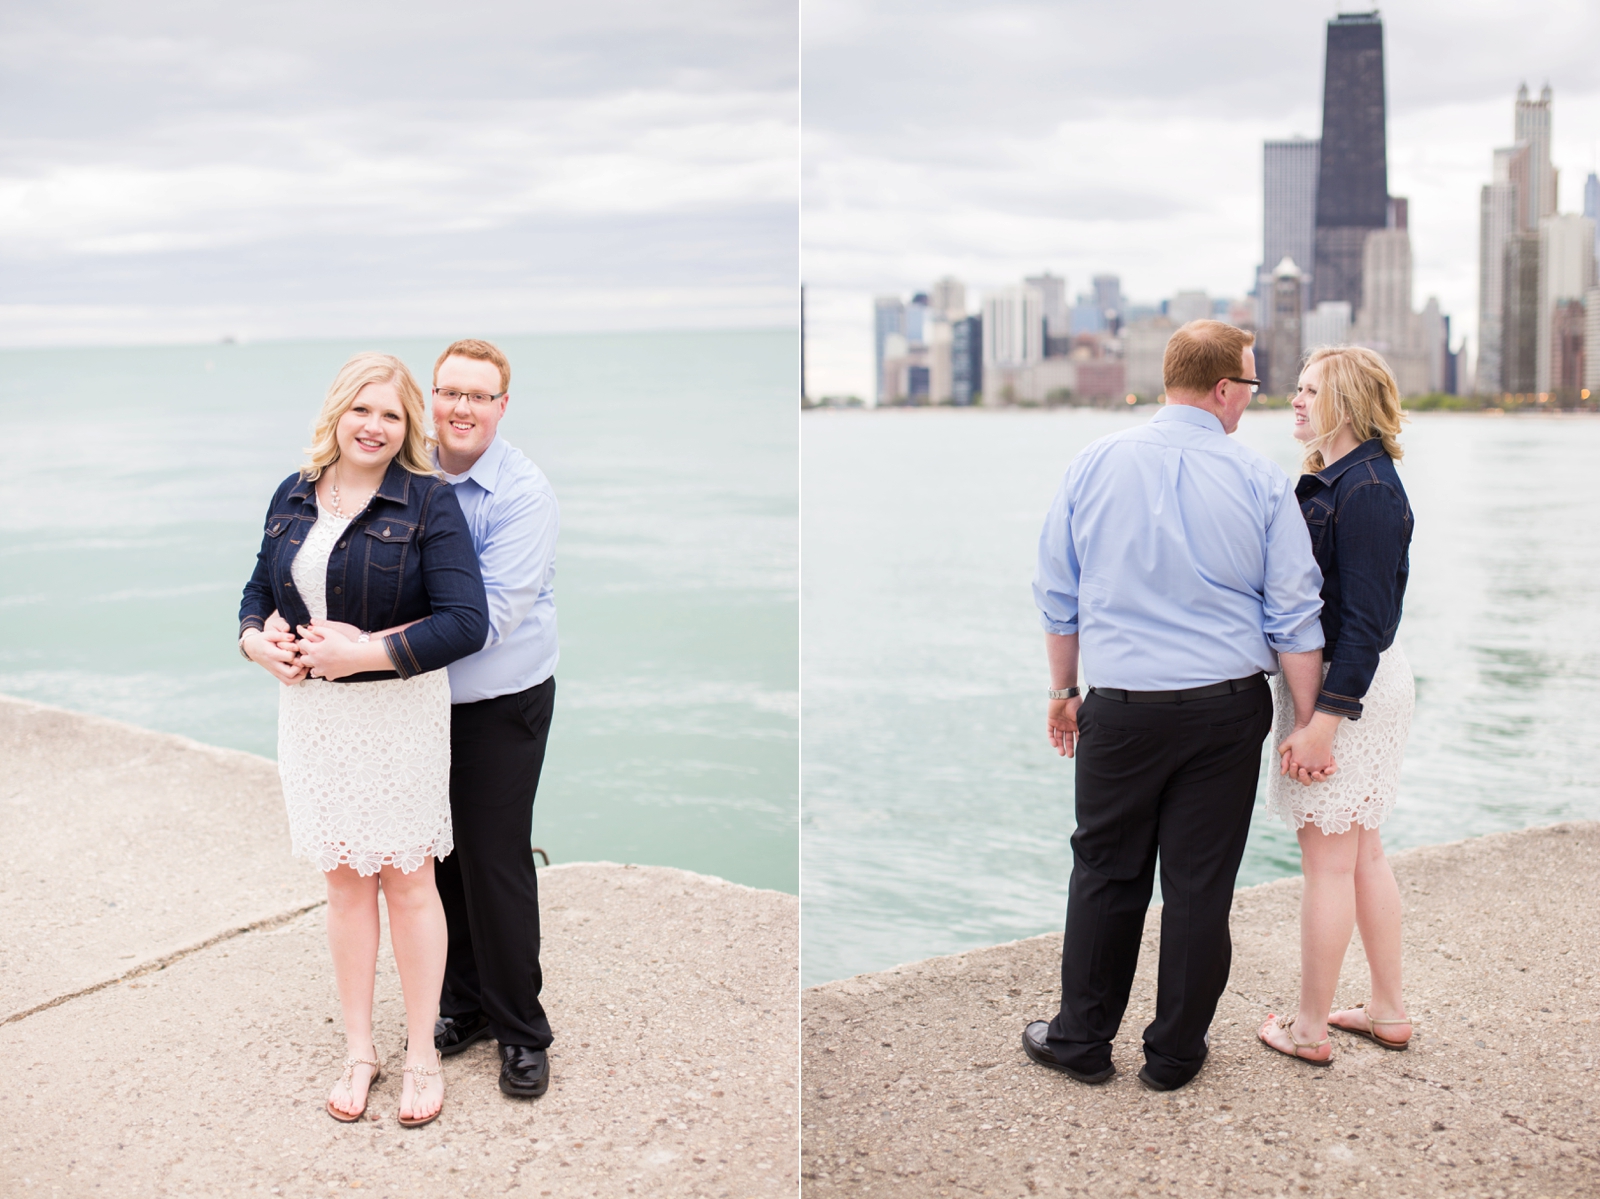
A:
[1179,556]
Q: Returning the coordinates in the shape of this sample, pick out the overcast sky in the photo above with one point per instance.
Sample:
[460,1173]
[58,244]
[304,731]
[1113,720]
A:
[994,140]
[175,171]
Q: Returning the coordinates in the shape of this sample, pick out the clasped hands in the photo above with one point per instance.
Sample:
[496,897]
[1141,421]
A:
[324,649]
[1306,755]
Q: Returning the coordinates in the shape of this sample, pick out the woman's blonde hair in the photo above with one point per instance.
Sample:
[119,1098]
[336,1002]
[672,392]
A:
[415,451]
[1357,386]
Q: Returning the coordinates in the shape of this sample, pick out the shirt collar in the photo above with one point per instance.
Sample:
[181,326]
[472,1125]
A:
[485,472]
[1189,415]
[1365,452]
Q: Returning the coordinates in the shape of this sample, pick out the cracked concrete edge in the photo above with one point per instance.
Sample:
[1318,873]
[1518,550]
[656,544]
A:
[1396,857]
[267,923]
[164,960]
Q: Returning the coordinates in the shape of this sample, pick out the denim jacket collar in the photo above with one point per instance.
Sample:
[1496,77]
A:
[396,485]
[1365,452]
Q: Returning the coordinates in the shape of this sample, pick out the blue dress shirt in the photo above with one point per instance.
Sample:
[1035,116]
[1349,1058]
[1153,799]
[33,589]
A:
[1179,556]
[513,518]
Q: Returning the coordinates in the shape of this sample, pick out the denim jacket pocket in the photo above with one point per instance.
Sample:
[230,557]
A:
[387,544]
[1318,517]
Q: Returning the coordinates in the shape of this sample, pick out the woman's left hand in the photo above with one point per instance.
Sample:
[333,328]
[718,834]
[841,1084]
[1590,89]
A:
[328,649]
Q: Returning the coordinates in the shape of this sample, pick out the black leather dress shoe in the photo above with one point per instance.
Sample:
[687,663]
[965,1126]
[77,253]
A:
[1155,1084]
[1035,1046]
[452,1034]
[524,1072]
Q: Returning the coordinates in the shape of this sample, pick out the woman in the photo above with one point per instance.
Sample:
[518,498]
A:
[1347,412]
[365,536]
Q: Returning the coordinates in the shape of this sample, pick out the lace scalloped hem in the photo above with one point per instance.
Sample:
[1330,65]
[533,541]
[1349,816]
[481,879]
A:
[1369,752]
[1368,815]
[367,862]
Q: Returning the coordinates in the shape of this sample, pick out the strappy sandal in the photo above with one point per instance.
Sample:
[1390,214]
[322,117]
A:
[1286,1023]
[1371,1031]
[350,1064]
[415,1072]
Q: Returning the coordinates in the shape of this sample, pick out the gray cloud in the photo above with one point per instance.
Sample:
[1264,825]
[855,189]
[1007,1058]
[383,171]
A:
[372,164]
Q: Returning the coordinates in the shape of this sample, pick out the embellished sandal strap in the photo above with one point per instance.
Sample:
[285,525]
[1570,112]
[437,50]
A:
[1286,1022]
[1371,1019]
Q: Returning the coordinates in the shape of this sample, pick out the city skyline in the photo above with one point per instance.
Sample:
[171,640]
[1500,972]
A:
[991,210]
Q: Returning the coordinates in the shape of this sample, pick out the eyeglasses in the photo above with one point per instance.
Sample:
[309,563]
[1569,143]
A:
[450,395]
[1253,384]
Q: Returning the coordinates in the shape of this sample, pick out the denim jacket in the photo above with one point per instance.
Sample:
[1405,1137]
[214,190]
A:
[1360,523]
[406,556]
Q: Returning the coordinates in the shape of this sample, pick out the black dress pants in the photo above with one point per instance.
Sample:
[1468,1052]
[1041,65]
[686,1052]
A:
[490,894]
[1174,781]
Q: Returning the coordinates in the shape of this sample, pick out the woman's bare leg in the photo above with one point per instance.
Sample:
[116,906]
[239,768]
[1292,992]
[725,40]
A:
[1378,915]
[353,942]
[1327,918]
[417,931]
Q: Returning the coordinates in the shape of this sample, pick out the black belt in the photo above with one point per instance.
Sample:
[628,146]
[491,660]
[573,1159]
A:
[1231,687]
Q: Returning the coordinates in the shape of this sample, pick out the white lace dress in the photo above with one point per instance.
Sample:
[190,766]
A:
[1368,753]
[365,766]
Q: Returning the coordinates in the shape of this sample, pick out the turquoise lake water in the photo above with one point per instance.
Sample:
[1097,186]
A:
[133,483]
[936,817]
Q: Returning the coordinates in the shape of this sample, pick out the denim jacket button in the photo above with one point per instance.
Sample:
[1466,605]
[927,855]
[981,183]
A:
[342,545]
[386,532]
[338,590]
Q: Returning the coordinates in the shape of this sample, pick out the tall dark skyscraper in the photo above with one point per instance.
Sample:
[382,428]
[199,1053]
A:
[1353,181]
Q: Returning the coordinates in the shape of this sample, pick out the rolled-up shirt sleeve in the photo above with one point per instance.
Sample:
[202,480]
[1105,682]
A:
[1055,581]
[1291,594]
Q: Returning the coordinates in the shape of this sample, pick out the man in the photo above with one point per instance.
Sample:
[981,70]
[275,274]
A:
[501,702]
[1181,561]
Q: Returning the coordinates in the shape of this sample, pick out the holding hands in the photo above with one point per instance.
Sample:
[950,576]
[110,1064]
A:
[1306,755]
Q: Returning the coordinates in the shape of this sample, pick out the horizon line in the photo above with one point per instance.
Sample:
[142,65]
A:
[244,342]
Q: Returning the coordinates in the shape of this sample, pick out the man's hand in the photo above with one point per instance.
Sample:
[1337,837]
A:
[328,649]
[1306,755]
[1062,722]
[277,657]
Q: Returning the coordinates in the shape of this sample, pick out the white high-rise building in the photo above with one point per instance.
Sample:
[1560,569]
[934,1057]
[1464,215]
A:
[1498,218]
[949,297]
[1013,328]
[1566,272]
[1289,171]
[1053,291]
[1533,129]
[1386,322]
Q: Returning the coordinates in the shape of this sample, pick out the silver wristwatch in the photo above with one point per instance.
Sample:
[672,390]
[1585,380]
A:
[1063,693]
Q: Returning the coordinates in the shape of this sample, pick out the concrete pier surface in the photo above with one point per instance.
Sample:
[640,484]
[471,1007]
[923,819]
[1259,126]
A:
[169,1024]
[915,1083]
